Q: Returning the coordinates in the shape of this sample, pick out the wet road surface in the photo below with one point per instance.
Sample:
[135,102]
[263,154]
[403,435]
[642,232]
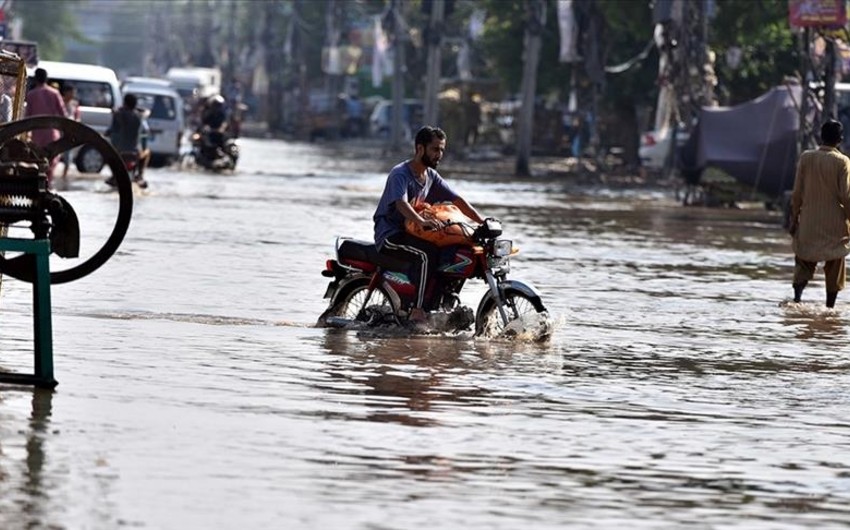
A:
[677,390]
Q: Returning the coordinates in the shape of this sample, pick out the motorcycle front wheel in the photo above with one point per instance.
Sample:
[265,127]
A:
[519,308]
[350,304]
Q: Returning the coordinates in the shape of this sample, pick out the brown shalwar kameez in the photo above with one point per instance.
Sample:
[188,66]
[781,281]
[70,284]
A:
[820,211]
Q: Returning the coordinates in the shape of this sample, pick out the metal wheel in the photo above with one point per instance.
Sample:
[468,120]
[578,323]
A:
[74,134]
[519,308]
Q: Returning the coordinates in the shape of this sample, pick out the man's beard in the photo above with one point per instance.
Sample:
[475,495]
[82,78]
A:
[429,162]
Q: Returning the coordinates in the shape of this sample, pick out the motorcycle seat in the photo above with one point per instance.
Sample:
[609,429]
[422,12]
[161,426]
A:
[353,250]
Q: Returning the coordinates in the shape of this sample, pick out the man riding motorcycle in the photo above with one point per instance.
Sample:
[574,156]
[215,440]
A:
[128,133]
[410,184]
[213,126]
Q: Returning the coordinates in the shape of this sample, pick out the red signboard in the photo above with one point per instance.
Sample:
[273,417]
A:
[817,13]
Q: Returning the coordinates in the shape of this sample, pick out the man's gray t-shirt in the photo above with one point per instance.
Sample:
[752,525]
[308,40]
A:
[125,130]
[402,184]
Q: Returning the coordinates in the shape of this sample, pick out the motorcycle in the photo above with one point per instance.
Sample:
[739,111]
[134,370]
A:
[370,288]
[134,168]
[214,150]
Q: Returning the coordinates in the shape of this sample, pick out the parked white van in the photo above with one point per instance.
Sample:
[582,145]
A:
[99,94]
[165,118]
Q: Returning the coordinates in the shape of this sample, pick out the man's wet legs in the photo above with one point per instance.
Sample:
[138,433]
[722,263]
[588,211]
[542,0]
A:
[835,276]
[798,291]
[834,270]
[803,272]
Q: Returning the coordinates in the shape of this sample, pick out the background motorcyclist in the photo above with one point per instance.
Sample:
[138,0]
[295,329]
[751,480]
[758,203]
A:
[409,183]
[128,133]
[214,124]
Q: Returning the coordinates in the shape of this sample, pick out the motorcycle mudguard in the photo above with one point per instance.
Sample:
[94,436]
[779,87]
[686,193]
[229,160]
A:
[341,285]
[509,285]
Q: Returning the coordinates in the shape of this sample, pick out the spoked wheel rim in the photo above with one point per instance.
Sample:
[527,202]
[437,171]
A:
[518,307]
[74,134]
[352,308]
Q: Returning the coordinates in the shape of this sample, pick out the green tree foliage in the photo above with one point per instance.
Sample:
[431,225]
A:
[760,29]
[501,45]
[629,31]
[49,23]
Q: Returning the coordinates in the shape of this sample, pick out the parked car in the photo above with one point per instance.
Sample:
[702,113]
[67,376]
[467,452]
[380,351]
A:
[324,115]
[655,147]
[165,118]
[380,121]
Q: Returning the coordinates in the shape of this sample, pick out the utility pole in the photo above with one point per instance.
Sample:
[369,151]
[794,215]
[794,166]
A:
[333,66]
[817,86]
[274,64]
[535,22]
[693,86]
[210,30]
[687,69]
[830,106]
[434,37]
[807,134]
[301,69]
[231,46]
[398,73]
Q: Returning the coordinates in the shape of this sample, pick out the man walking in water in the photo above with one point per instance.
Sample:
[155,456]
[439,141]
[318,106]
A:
[820,213]
[44,100]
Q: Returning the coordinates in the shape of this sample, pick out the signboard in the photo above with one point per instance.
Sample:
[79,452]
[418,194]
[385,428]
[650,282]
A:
[817,13]
[26,50]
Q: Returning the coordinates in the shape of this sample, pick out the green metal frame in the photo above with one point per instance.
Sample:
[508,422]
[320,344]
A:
[42,322]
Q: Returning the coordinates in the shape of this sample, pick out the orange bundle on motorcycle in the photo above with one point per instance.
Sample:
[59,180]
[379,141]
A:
[456,230]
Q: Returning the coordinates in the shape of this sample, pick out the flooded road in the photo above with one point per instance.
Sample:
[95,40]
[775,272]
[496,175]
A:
[195,392]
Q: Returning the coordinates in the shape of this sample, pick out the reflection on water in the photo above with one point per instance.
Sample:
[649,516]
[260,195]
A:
[24,492]
[678,388]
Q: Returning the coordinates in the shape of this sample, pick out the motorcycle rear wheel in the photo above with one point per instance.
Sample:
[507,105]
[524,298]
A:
[350,304]
[517,306]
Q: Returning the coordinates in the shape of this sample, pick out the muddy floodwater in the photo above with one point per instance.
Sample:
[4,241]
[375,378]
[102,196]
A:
[679,389]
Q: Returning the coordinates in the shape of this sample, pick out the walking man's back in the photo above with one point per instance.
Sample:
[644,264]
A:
[820,213]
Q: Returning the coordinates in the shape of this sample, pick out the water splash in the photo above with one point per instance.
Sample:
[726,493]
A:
[531,327]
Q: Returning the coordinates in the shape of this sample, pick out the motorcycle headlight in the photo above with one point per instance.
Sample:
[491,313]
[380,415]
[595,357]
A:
[502,247]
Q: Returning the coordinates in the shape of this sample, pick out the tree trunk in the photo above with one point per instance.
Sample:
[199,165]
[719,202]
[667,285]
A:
[533,29]
[398,75]
[274,66]
[432,82]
